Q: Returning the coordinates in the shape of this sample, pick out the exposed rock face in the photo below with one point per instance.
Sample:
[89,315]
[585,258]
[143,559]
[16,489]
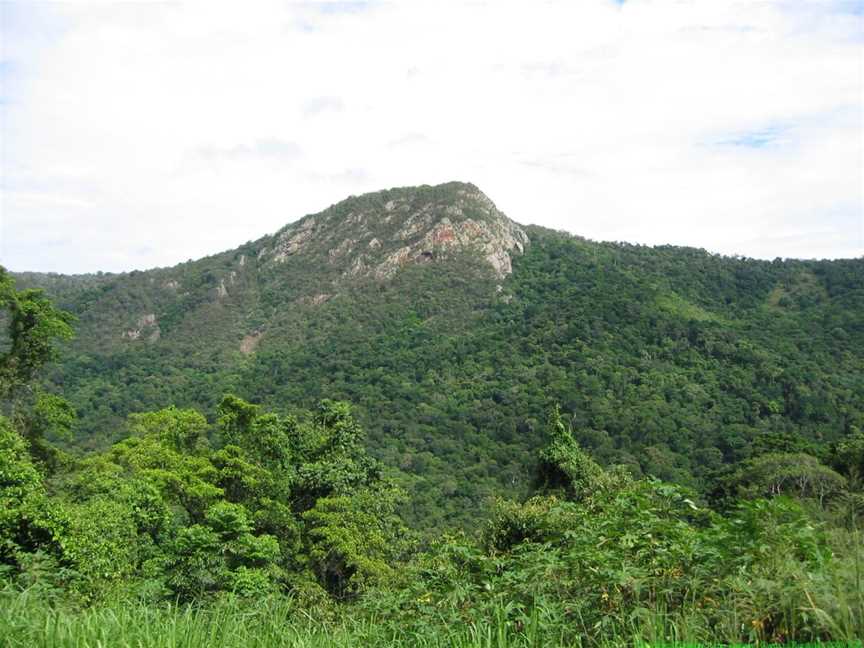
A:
[294,239]
[146,327]
[377,234]
[495,239]
[250,342]
[345,247]
[315,300]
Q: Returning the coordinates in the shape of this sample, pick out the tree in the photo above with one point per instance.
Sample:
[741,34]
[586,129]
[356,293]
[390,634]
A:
[848,455]
[354,539]
[783,473]
[21,494]
[564,466]
[34,327]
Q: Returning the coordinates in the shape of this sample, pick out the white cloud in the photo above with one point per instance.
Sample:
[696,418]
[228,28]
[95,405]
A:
[142,134]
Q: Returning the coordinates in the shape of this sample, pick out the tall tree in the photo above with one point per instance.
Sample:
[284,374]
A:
[34,326]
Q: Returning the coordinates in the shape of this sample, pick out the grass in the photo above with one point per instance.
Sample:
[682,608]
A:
[29,620]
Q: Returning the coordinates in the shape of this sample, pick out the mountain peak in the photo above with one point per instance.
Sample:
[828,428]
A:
[377,233]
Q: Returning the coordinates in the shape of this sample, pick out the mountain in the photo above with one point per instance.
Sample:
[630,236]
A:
[454,330]
[360,241]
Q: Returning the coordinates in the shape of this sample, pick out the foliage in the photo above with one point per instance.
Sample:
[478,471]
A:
[33,326]
[565,466]
[354,539]
[26,523]
[704,484]
[798,474]
[673,362]
[293,503]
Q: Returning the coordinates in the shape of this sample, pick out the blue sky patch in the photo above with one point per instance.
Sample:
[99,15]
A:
[855,7]
[758,138]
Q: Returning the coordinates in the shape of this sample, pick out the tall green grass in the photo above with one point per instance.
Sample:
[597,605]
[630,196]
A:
[29,620]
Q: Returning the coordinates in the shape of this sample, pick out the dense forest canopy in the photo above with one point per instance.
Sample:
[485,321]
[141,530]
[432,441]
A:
[599,441]
[673,361]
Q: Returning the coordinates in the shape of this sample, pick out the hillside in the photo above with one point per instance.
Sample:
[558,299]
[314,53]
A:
[453,330]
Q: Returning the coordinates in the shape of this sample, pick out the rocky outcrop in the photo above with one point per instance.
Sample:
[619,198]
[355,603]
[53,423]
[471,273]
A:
[146,327]
[377,234]
[249,342]
[294,239]
[432,236]
[315,300]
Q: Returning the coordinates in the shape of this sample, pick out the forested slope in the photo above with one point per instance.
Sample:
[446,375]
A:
[672,361]
[521,392]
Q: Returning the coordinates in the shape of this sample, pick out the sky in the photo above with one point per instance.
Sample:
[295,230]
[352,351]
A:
[142,134]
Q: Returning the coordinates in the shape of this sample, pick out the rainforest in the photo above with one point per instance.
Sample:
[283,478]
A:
[414,422]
